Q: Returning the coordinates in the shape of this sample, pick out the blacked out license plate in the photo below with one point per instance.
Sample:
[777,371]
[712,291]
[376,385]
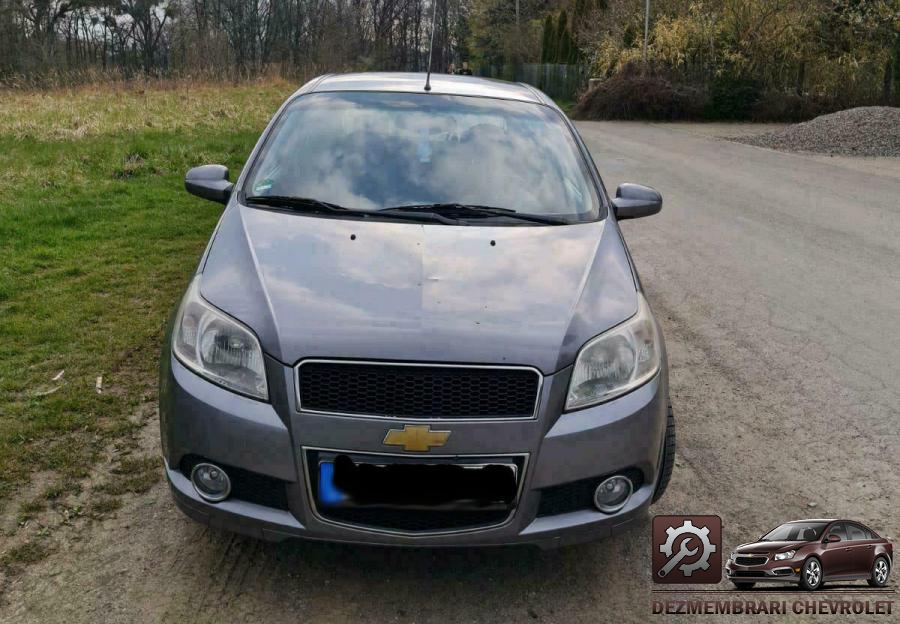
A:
[345,482]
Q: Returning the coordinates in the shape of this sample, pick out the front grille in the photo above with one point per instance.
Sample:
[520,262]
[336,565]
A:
[245,485]
[416,520]
[417,391]
[578,495]
[748,573]
[750,561]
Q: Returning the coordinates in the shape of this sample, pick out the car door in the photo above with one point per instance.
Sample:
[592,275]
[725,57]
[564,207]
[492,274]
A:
[837,557]
[862,546]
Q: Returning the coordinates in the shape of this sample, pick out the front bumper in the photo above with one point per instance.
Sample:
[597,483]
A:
[198,418]
[771,571]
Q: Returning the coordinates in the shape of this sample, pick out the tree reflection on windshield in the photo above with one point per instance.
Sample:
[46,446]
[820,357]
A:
[372,151]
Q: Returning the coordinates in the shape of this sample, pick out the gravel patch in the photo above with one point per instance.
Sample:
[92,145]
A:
[864,131]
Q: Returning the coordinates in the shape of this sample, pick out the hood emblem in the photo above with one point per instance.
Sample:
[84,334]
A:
[416,438]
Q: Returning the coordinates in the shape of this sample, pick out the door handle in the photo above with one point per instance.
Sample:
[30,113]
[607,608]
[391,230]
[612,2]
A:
[847,549]
[870,547]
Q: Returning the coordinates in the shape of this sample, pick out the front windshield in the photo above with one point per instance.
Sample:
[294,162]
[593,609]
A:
[374,150]
[796,532]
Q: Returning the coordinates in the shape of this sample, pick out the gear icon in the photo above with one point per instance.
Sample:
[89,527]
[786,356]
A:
[702,533]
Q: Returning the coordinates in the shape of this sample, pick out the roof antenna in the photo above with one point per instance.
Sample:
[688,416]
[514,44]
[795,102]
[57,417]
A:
[431,45]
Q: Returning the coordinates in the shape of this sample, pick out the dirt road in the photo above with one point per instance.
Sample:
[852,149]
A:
[777,281]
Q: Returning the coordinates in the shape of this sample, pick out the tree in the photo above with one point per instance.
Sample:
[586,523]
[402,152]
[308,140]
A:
[574,57]
[895,63]
[148,20]
[846,52]
[580,11]
[548,41]
[564,42]
[497,38]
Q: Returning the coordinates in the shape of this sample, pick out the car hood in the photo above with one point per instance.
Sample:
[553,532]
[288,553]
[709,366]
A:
[770,547]
[324,287]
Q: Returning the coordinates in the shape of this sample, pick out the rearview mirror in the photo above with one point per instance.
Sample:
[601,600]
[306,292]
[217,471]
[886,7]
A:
[634,201]
[209,182]
[833,538]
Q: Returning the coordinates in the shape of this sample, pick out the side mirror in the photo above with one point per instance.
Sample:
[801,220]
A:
[833,538]
[209,182]
[634,201]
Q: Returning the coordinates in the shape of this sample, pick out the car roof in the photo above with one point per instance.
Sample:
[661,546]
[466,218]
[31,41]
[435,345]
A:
[817,520]
[443,84]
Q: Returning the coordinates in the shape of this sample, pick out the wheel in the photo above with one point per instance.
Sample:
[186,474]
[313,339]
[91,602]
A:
[811,574]
[743,585]
[880,572]
[668,457]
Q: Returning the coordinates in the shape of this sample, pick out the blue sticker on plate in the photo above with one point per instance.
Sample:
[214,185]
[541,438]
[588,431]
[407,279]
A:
[328,493]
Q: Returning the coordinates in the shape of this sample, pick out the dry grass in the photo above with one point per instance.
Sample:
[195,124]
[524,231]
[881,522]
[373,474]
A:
[92,110]
[68,115]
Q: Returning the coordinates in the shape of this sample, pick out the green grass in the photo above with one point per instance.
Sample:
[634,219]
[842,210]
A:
[61,488]
[27,553]
[97,241]
[104,506]
[133,475]
[29,509]
[565,105]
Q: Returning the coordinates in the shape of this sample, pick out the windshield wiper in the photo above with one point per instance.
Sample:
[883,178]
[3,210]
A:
[471,211]
[309,204]
[284,201]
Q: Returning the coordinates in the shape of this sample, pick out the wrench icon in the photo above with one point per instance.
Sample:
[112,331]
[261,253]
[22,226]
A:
[676,558]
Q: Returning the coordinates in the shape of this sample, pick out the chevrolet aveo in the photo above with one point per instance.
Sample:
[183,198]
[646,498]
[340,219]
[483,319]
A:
[417,323]
[810,552]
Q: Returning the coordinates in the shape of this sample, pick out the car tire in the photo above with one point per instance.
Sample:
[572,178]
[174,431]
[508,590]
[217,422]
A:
[668,456]
[743,586]
[812,574]
[881,570]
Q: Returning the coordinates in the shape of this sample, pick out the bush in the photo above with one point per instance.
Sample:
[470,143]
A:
[778,106]
[656,95]
[628,95]
[732,98]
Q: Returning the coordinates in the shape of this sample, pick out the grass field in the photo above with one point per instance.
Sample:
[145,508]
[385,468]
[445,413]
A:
[97,239]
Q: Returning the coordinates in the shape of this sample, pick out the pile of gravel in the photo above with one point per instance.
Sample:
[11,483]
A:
[864,131]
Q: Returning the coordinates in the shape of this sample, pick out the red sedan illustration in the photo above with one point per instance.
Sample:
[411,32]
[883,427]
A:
[811,552]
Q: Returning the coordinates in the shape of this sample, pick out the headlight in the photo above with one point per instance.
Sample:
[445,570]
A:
[218,347]
[786,555]
[617,361]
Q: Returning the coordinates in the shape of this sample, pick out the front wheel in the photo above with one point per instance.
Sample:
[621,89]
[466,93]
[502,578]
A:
[811,575]
[880,572]
[743,586]
[668,456]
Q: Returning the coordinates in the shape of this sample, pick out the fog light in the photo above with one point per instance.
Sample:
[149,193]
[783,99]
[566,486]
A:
[611,495]
[211,482]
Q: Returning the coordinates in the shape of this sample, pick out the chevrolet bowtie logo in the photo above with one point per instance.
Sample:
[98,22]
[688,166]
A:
[416,438]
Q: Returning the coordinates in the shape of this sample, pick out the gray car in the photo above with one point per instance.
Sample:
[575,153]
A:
[417,323]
